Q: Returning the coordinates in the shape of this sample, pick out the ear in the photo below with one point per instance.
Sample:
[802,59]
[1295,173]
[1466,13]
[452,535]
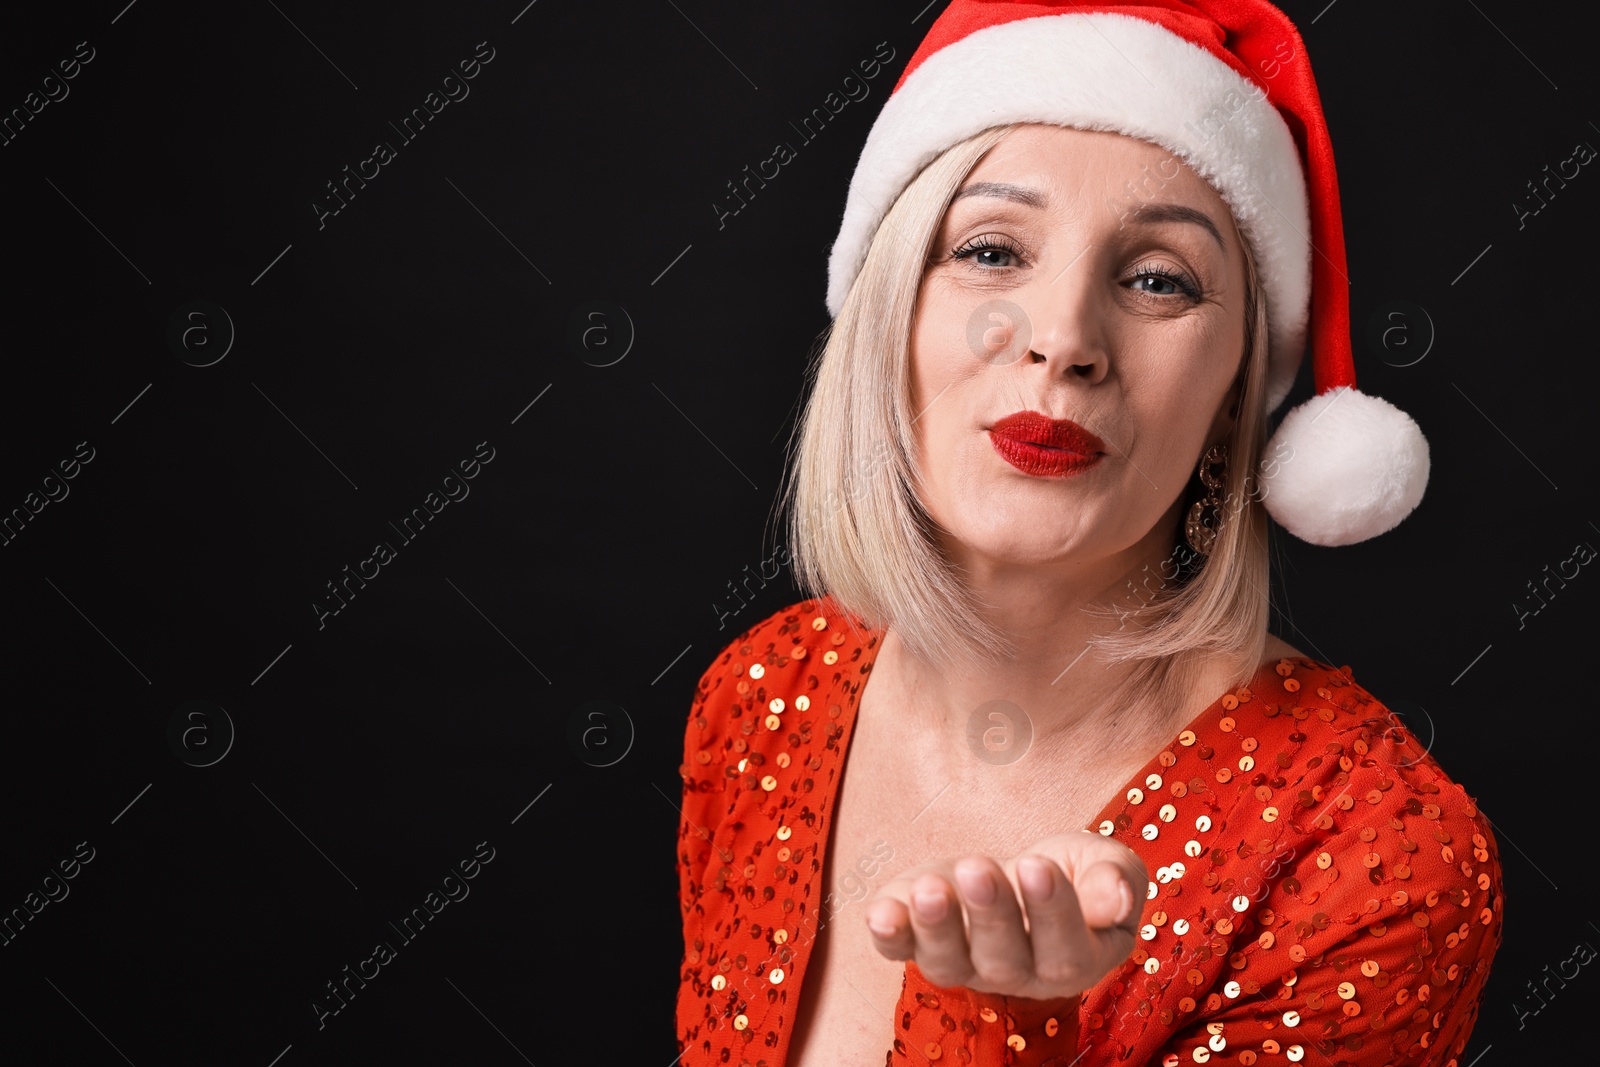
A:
[1227,412]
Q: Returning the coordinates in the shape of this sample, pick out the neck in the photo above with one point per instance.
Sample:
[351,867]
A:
[1069,695]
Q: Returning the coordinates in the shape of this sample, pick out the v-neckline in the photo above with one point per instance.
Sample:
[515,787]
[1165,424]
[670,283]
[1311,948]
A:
[800,966]
[1113,804]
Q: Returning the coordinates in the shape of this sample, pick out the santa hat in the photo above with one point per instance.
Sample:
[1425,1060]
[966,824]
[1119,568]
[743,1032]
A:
[1225,86]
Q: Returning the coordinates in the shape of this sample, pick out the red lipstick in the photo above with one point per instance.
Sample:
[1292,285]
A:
[1048,448]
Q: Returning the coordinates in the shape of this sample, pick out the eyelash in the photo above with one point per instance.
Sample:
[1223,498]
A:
[1185,284]
[985,243]
[991,242]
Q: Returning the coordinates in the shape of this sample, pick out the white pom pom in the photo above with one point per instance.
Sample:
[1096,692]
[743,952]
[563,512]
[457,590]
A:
[1344,467]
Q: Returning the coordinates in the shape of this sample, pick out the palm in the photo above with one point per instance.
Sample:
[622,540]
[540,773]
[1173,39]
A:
[1046,924]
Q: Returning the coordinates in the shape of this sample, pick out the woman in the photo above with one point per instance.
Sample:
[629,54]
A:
[1076,274]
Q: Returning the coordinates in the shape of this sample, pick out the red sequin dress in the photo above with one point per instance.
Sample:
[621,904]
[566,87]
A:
[1322,893]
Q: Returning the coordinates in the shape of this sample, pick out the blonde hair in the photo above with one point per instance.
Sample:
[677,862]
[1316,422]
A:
[858,532]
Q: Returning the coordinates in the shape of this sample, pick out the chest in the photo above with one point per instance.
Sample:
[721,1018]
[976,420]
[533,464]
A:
[890,815]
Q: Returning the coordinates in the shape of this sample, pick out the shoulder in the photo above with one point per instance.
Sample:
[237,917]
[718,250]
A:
[1345,739]
[1277,648]
[782,642]
[779,661]
[1385,867]
[1327,752]
[1355,888]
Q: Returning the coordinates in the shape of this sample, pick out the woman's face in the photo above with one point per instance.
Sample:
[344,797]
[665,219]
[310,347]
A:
[1084,276]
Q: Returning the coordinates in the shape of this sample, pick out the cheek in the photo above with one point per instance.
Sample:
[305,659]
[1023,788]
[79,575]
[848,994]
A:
[944,380]
[933,357]
[1177,399]
[953,326]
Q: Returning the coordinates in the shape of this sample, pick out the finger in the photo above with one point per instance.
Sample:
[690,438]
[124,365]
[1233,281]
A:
[889,923]
[1105,894]
[1110,910]
[941,940]
[1099,869]
[1111,928]
[1062,945]
[1111,886]
[997,941]
[888,913]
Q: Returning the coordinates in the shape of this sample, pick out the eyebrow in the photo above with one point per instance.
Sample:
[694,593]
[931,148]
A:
[1147,213]
[1157,213]
[1003,190]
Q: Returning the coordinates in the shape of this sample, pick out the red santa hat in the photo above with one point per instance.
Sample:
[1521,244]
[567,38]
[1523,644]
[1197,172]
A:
[1225,86]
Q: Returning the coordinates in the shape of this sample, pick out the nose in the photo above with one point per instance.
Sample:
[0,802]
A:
[1068,319]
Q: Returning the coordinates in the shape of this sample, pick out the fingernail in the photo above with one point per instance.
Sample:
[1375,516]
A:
[1035,877]
[930,906]
[879,925]
[1125,909]
[976,885]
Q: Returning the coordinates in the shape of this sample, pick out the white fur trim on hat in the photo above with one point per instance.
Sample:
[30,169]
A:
[1355,466]
[1102,72]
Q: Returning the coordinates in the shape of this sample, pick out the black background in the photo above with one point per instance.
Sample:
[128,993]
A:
[374,353]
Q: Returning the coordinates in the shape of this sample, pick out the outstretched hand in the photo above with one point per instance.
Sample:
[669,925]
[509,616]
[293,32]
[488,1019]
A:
[1047,924]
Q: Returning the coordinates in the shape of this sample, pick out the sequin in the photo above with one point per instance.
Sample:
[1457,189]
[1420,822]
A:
[1221,954]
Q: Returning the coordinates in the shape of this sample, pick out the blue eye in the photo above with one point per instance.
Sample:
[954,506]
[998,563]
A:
[1163,282]
[988,251]
[1156,284]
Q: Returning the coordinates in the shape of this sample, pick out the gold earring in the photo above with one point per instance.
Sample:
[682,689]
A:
[1197,530]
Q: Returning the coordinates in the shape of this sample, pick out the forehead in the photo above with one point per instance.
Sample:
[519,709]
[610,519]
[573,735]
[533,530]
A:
[1064,164]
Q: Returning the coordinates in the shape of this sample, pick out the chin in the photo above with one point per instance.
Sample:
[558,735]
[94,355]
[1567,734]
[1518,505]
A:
[1025,538]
